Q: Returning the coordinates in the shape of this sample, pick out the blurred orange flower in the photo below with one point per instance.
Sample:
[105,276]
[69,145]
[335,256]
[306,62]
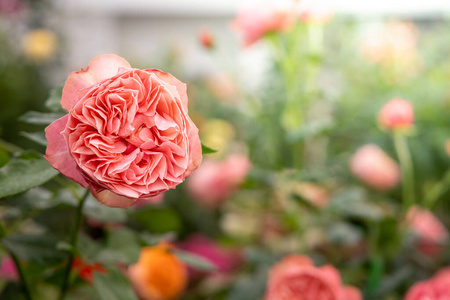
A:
[158,274]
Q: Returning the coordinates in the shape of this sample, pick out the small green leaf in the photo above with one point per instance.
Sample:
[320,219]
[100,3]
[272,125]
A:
[113,285]
[20,175]
[195,261]
[40,118]
[34,248]
[53,101]
[207,150]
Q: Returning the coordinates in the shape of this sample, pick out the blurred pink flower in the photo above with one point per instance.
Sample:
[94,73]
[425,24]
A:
[214,181]
[375,168]
[254,23]
[8,269]
[396,114]
[226,260]
[206,38]
[393,43]
[296,278]
[11,7]
[430,231]
[315,12]
[436,288]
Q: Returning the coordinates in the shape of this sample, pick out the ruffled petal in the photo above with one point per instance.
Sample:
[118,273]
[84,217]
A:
[57,152]
[100,68]
[171,80]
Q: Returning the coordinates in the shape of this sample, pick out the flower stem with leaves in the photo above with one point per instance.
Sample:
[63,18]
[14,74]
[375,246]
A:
[73,244]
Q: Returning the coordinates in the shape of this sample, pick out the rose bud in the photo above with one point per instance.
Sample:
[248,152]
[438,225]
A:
[396,114]
[430,231]
[226,260]
[436,288]
[296,277]
[215,181]
[255,23]
[127,134]
[158,274]
[375,168]
[206,38]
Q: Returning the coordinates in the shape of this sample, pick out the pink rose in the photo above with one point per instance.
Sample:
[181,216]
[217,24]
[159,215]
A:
[255,23]
[396,114]
[296,278]
[430,231]
[215,181]
[375,168]
[127,135]
[226,260]
[436,288]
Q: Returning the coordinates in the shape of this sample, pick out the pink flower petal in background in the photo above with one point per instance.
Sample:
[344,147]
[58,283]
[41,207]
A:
[375,168]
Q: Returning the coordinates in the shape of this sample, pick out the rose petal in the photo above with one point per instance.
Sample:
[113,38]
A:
[112,199]
[100,68]
[57,152]
[180,86]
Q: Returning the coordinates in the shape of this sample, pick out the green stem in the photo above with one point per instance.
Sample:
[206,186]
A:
[73,243]
[437,190]
[18,265]
[404,156]
[19,268]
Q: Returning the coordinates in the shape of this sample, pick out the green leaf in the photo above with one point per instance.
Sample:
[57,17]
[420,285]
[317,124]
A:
[113,285]
[53,101]
[195,261]
[157,219]
[207,150]
[40,118]
[4,157]
[122,245]
[248,288]
[37,137]
[102,213]
[35,248]
[20,175]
